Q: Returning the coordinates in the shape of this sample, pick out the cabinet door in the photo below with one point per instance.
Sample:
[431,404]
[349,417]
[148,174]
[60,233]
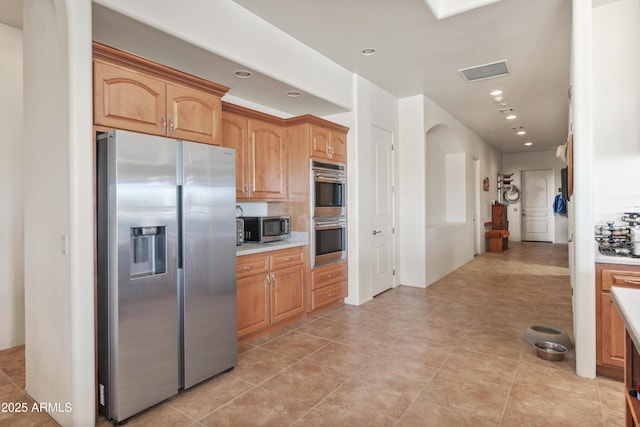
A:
[287,293]
[338,146]
[235,131]
[320,140]
[268,160]
[193,115]
[612,333]
[253,303]
[127,99]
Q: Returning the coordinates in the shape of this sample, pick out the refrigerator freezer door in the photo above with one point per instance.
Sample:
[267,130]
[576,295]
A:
[209,254]
[142,346]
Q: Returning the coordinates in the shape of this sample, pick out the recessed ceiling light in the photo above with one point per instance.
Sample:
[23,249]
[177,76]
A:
[368,51]
[528,143]
[498,99]
[243,74]
[511,117]
[496,92]
[521,132]
[293,93]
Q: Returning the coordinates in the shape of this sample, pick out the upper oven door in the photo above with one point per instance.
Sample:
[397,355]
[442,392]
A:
[329,189]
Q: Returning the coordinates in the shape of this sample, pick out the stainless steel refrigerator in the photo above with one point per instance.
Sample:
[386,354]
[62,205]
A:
[166,268]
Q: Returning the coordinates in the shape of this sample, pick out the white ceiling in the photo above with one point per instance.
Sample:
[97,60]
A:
[11,12]
[415,54]
[418,54]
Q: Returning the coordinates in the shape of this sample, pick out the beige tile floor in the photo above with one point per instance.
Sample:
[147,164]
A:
[448,355]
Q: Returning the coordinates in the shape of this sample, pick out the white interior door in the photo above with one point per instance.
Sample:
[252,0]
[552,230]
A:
[382,221]
[537,198]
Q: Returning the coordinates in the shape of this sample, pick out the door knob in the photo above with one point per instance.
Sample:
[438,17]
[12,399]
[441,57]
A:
[376,232]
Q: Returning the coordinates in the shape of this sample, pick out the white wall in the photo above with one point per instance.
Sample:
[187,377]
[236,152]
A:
[11,210]
[430,252]
[411,189]
[616,109]
[605,107]
[58,203]
[374,108]
[538,160]
[581,246]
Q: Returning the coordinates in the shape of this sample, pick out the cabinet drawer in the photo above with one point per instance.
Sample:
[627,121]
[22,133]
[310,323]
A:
[248,265]
[287,258]
[627,279]
[328,294]
[324,276]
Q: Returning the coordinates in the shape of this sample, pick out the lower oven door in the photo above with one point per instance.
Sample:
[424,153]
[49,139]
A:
[329,240]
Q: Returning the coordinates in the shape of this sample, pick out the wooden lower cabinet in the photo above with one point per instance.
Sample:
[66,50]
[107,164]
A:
[270,290]
[328,285]
[610,334]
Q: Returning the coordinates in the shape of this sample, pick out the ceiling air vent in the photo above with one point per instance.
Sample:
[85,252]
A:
[486,71]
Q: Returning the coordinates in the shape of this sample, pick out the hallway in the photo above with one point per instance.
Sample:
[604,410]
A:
[448,355]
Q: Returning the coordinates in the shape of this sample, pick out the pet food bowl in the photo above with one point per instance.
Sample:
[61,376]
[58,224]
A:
[550,351]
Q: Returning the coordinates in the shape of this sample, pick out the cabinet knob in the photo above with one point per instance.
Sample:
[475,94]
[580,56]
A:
[288,259]
[329,276]
[170,126]
[247,267]
[330,295]
[164,124]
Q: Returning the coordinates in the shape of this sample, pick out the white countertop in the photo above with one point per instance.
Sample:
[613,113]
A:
[628,302]
[298,238]
[608,259]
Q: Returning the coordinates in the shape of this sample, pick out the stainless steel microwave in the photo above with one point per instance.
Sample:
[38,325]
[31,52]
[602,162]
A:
[264,229]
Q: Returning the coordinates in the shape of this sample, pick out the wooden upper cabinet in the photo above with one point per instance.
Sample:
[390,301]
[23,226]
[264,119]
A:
[338,142]
[136,94]
[260,152]
[127,99]
[193,115]
[325,140]
[268,160]
[328,144]
[320,146]
[234,135]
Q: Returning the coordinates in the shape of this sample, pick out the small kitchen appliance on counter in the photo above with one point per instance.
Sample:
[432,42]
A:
[263,229]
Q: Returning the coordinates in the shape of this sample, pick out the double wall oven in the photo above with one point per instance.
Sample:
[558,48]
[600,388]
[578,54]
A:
[328,197]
